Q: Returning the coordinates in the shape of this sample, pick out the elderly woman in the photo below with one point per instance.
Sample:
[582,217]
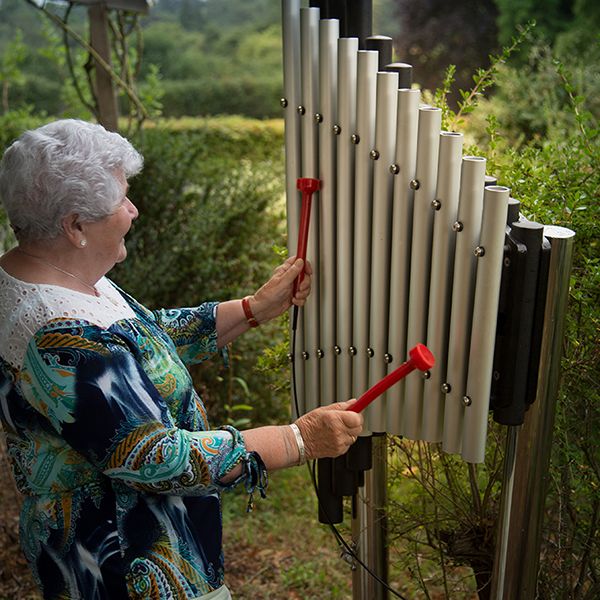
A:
[109,441]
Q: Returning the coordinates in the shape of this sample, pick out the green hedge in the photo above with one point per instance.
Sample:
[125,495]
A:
[210,202]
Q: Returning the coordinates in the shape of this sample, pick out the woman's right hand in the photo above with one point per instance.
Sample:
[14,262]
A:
[330,430]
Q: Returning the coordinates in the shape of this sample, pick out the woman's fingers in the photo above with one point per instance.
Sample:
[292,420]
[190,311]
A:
[330,430]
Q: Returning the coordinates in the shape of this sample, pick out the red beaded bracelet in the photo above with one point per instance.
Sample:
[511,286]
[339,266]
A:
[248,312]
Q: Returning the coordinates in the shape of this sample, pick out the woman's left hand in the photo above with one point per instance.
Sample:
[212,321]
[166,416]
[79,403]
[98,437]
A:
[275,296]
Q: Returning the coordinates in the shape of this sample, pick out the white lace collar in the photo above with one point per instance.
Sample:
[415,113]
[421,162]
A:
[26,307]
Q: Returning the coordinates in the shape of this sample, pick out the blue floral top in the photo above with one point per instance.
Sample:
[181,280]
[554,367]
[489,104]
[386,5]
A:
[109,443]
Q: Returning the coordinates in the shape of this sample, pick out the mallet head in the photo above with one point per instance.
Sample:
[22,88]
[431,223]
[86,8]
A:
[308,185]
[421,357]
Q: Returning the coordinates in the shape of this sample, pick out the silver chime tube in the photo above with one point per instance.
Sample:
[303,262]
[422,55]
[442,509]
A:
[309,51]
[344,128]
[328,62]
[489,253]
[290,11]
[467,229]
[382,156]
[403,168]
[445,207]
[363,138]
[424,184]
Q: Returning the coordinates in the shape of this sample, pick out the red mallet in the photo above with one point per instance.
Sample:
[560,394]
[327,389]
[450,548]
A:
[420,358]
[308,187]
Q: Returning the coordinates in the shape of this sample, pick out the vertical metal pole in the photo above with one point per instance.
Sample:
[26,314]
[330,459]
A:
[404,172]
[370,527]
[467,229]
[489,253]
[345,127]
[363,139]
[517,578]
[508,480]
[424,184]
[328,63]
[445,209]
[382,155]
[309,60]
[290,12]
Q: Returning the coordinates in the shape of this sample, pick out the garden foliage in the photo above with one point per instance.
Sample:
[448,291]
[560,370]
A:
[539,133]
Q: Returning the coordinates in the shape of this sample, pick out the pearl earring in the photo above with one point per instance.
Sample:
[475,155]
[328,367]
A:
[83,243]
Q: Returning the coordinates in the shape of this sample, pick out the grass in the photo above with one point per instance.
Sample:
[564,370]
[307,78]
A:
[280,550]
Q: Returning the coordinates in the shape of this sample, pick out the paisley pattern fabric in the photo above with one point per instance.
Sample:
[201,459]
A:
[110,445]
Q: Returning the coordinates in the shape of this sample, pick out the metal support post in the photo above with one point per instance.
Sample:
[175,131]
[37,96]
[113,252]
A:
[369,527]
[517,559]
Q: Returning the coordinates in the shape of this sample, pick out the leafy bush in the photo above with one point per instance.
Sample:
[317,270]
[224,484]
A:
[540,135]
[555,175]
[208,199]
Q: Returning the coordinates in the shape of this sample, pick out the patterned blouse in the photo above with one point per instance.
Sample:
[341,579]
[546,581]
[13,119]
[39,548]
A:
[110,443]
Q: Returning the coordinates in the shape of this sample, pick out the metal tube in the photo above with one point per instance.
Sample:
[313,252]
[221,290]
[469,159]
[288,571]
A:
[382,156]
[535,438]
[467,228]
[383,45]
[290,10]
[445,209]
[346,126]
[403,168]
[309,51]
[428,143]
[328,59]
[373,527]
[489,253]
[508,480]
[363,138]
[360,19]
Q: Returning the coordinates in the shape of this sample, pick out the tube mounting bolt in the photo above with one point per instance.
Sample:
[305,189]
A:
[283,102]
[414,184]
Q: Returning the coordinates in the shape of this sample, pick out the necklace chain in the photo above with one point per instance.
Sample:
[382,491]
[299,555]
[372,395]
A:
[87,285]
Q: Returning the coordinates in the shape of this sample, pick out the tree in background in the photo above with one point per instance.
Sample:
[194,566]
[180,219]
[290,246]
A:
[11,62]
[432,37]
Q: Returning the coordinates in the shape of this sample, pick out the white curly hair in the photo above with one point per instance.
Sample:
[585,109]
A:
[63,168]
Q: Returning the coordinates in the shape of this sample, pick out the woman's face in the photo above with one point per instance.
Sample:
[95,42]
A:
[106,237]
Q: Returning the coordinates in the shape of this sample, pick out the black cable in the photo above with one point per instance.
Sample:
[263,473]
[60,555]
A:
[311,470]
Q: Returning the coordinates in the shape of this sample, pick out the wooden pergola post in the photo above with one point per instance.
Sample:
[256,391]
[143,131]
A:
[108,112]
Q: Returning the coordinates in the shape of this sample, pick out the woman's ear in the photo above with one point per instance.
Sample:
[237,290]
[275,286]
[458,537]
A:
[74,230]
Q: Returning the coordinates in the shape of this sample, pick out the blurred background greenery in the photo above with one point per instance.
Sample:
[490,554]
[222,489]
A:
[208,73]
